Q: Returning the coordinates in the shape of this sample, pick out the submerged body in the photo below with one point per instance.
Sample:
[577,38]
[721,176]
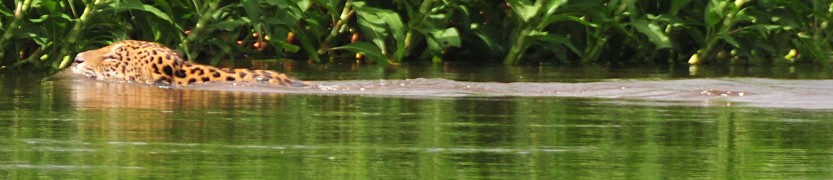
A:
[153,63]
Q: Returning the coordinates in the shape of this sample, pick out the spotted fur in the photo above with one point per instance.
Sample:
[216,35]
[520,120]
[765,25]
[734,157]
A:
[152,63]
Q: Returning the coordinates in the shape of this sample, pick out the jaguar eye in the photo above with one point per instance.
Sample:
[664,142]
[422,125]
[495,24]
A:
[79,60]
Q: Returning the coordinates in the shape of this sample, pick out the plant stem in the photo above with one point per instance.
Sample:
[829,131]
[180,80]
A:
[526,27]
[596,49]
[423,13]
[346,13]
[22,7]
[714,37]
[207,16]
[520,45]
[89,11]
[32,58]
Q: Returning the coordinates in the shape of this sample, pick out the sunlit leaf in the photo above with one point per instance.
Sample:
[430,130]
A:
[137,5]
[654,32]
[373,27]
[551,6]
[566,17]
[380,25]
[447,37]
[714,13]
[366,49]
[524,9]
[443,38]
[397,29]
[304,4]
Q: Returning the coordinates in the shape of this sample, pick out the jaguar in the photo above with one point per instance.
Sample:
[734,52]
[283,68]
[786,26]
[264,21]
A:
[153,63]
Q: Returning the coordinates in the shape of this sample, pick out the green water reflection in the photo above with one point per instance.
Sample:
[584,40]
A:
[61,129]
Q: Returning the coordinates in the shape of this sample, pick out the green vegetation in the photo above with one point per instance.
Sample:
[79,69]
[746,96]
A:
[45,34]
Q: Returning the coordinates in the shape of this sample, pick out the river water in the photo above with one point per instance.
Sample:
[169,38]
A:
[427,122]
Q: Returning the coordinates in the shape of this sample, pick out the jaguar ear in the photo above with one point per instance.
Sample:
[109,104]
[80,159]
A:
[118,47]
[111,55]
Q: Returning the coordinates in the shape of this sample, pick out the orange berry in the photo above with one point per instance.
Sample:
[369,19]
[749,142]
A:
[257,45]
[239,43]
[187,32]
[255,35]
[290,37]
[355,37]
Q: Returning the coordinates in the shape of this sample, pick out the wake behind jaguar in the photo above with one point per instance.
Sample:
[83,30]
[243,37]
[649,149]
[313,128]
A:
[153,63]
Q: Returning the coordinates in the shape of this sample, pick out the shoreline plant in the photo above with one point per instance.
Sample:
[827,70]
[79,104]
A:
[45,34]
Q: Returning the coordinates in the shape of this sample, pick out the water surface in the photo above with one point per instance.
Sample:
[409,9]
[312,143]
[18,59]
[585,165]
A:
[69,128]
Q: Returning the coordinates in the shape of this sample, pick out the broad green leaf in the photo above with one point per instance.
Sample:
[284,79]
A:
[676,5]
[524,9]
[366,49]
[442,38]
[764,45]
[373,28]
[227,25]
[567,17]
[39,35]
[138,5]
[49,6]
[744,16]
[279,4]
[307,44]
[394,26]
[304,4]
[379,25]
[732,41]
[554,40]
[224,46]
[654,32]
[490,38]
[5,12]
[330,5]
[714,13]
[551,6]
[287,46]
[436,20]
[252,8]
[812,49]
[164,5]
[447,37]
[664,18]
[696,34]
